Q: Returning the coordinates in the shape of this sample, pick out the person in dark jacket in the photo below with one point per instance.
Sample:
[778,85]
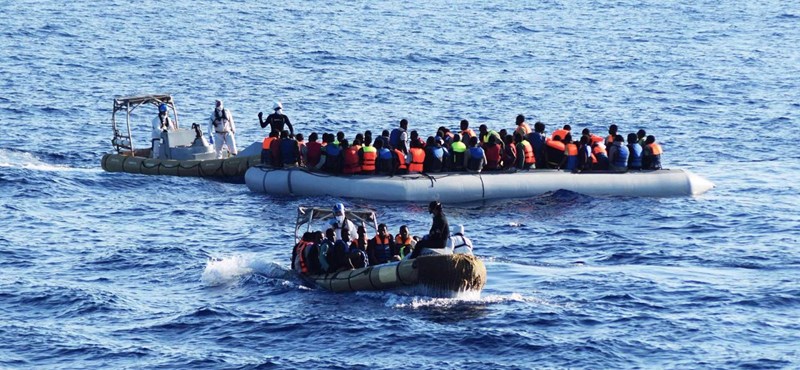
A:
[438,234]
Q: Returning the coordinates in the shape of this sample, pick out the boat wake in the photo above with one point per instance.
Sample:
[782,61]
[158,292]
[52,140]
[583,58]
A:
[28,161]
[231,270]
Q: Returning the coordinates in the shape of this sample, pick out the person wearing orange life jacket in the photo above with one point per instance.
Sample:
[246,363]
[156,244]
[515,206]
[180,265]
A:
[599,156]
[592,137]
[312,151]
[493,152]
[300,262]
[368,157]
[612,134]
[399,160]
[522,126]
[466,132]
[570,161]
[381,248]
[350,164]
[404,243]
[652,154]
[416,158]
[266,155]
[525,157]
[562,132]
[554,151]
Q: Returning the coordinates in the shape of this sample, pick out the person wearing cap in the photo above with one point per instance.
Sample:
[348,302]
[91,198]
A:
[458,243]
[224,129]
[438,234]
[340,222]
[276,120]
[161,123]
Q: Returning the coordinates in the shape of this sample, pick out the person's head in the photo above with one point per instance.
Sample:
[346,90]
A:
[464,124]
[503,133]
[307,236]
[567,138]
[274,134]
[619,139]
[557,138]
[435,207]
[460,229]
[586,132]
[330,234]
[641,134]
[162,108]
[508,139]
[439,141]
[299,137]
[367,135]
[612,129]
[492,140]
[313,137]
[520,119]
[345,233]
[431,141]
[285,134]
[650,139]
[326,138]
[362,232]
[378,144]
[385,133]
[414,135]
[344,144]
[404,233]
[473,141]
[404,124]
[456,138]
[218,104]
[517,137]
[276,105]
[340,136]
[584,139]
[317,237]
[359,138]
[383,231]
[338,212]
[632,138]
[538,126]
[483,129]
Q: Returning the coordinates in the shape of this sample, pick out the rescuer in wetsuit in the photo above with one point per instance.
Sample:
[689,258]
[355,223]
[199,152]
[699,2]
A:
[276,120]
[437,236]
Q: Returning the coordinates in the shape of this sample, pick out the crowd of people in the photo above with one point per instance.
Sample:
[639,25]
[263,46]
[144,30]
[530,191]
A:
[343,246]
[401,151]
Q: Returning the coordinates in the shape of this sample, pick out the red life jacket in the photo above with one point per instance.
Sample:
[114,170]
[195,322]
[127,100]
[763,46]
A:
[300,255]
[313,153]
[492,156]
[417,159]
[351,161]
[370,155]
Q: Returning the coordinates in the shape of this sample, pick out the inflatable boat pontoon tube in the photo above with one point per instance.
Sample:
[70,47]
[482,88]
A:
[465,187]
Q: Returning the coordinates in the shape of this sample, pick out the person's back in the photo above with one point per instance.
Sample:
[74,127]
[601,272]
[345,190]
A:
[398,134]
[525,157]
[289,150]
[313,151]
[266,148]
[383,163]
[458,243]
[492,152]
[510,153]
[634,153]
[300,261]
[537,138]
[584,154]
[570,156]
[434,158]
[475,157]
[554,152]
[333,158]
[600,157]
[416,163]
[653,153]
[275,152]
[368,158]
[459,149]
[349,158]
[618,155]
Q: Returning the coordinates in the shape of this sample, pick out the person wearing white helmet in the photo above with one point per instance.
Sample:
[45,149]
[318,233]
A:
[340,222]
[458,243]
[224,130]
[276,120]
[161,123]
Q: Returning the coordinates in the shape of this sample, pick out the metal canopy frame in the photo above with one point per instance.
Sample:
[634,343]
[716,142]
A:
[307,214]
[129,104]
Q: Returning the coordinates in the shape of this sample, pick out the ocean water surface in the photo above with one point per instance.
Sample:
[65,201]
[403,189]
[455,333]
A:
[111,270]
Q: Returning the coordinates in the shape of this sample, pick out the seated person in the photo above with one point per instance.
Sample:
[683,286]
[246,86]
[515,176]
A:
[358,249]
[339,256]
[458,243]
[475,158]
[438,234]
[381,248]
[404,242]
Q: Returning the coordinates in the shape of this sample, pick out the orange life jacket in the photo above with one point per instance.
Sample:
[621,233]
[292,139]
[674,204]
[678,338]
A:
[560,133]
[655,149]
[402,244]
[523,129]
[467,133]
[555,144]
[417,159]
[401,158]
[595,139]
[528,150]
[351,161]
[300,254]
[370,155]
[571,149]
[267,141]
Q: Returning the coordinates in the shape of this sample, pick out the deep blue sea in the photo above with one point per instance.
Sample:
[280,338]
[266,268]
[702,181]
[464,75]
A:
[112,270]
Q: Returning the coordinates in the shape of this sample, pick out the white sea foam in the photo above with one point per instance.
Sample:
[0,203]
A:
[14,159]
[228,270]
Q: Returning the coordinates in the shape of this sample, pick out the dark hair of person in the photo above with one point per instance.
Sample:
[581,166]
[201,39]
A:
[632,138]
[299,137]
[473,141]
[520,119]
[538,126]
[313,137]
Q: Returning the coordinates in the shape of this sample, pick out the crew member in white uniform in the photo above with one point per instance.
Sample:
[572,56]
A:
[221,124]
[339,222]
[458,243]
[161,123]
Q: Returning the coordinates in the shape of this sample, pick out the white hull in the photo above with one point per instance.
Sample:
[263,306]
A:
[465,187]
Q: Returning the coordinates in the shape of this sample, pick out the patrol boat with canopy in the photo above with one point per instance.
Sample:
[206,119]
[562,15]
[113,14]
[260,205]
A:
[182,152]
[438,275]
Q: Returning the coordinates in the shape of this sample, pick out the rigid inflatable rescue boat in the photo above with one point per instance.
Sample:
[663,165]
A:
[182,152]
[439,274]
[454,187]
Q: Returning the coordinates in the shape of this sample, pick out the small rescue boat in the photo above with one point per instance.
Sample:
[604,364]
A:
[442,274]
[183,152]
[454,187]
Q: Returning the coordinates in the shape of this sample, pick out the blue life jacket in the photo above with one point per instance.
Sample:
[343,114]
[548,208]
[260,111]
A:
[384,162]
[621,160]
[322,255]
[394,137]
[288,151]
[434,159]
[474,163]
[635,157]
